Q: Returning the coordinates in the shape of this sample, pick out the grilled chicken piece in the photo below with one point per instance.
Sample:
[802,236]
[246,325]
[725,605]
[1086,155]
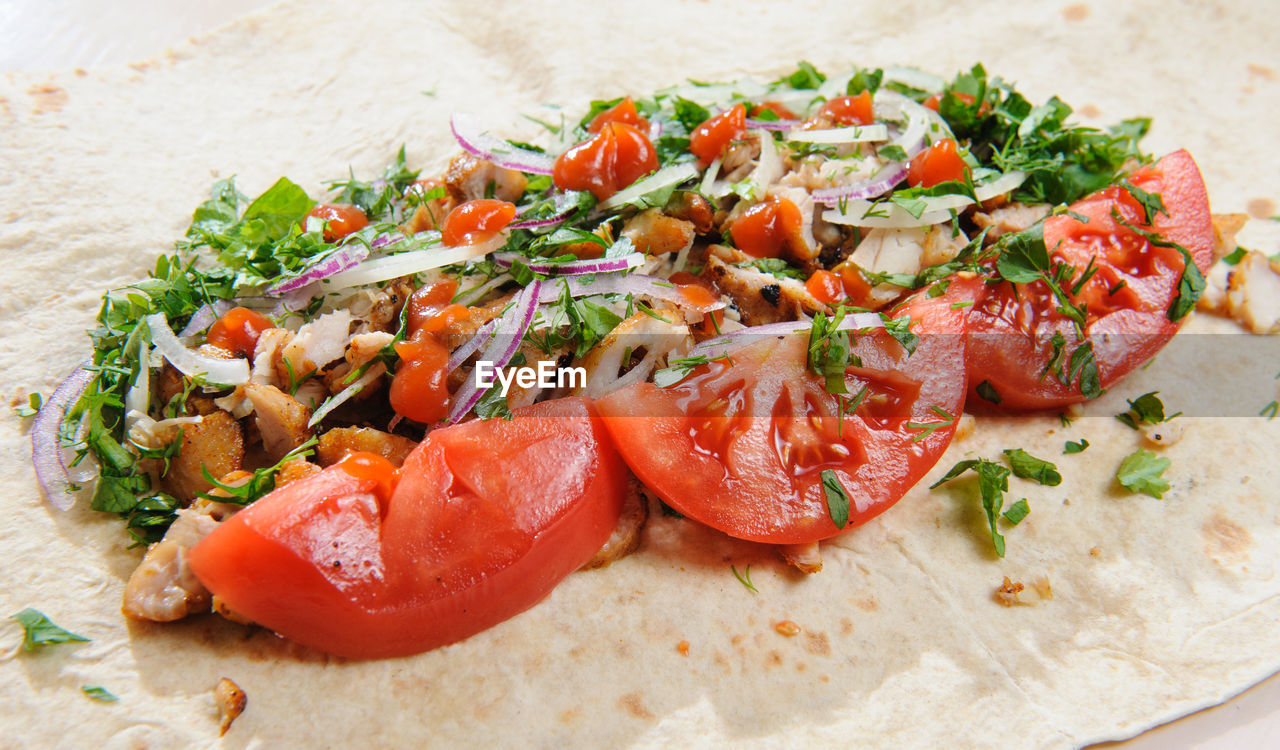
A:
[315,345]
[655,233]
[338,442]
[801,246]
[281,419]
[162,588]
[1225,227]
[760,297]
[807,558]
[362,348]
[904,251]
[469,178]
[626,535]
[1009,219]
[692,208]
[644,340]
[384,310]
[216,444]
[429,214]
[741,158]
[1253,293]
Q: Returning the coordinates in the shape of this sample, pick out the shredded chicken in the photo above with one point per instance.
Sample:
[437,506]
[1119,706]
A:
[1253,293]
[888,251]
[655,233]
[692,208]
[216,443]
[280,418]
[471,178]
[1009,219]
[231,703]
[163,588]
[807,558]
[315,345]
[429,214]
[335,444]
[800,244]
[626,535]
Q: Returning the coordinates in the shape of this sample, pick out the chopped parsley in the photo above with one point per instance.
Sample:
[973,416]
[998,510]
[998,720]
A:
[39,631]
[837,498]
[744,578]
[1142,471]
[1027,466]
[29,409]
[993,482]
[99,693]
[1145,409]
[988,392]
[1074,447]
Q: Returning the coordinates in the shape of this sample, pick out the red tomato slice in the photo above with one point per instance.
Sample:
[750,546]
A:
[1128,297]
[487,517]
[741,447]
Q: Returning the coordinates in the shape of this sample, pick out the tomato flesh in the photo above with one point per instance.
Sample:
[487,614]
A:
[741,446]
[850,110]
[476,221]
[237,331]
[339,219]
[709,140]
[825,287]
[764,230]
[1128,295]
[939,163]
[458,548]
[607,162]
[623,112]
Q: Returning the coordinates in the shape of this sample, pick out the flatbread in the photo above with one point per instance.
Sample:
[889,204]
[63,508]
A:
[1159,607]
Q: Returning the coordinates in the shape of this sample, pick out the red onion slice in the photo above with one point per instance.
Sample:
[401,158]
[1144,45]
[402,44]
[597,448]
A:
[46,453]
[574,267]
[882,183]
[479,143]
[565,204]
[510,331]
[724,343]
[344,257]
[475,342]
[206,316]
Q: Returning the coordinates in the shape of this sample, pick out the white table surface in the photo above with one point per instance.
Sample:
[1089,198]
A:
[63,34]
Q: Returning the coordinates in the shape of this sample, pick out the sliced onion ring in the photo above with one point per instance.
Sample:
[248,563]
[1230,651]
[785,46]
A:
[192,363]
[479,143]
[345,394]
[720,345]
[782,125]
[882,183]
[344,257]
[665,177]
[411,262]
[854,134]
[574,267]
[46,453]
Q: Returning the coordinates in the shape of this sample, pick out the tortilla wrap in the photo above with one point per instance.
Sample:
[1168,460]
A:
[1159,607]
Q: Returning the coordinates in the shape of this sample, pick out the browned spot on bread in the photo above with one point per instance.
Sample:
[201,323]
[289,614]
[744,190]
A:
[633,703]
[1262,71]
[570,716]
[48,98]
[1076,12]
[817,644]
[1261,208]
[868,604]
[1090,110]
[846,626]
[1225,542]
[774,659]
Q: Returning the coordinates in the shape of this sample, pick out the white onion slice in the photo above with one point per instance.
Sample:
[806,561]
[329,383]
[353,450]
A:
[1001,185]
[411,262]
[46,452]
[472,344]
[192,363]
[855,134]
[895,217]
[720,345]
[476,141]
[477,292]
[345,394]
[138,400]
[709,177]
[663,178]
[916,79]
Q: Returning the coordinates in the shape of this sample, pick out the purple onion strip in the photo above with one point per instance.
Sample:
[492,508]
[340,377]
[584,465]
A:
[780,125]
[891,175]
[574,267]
[496,150]
[46,454]
[510,332]
[346,256]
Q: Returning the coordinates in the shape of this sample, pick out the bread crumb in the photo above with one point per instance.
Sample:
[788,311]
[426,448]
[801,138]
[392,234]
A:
[787,628]
[1007,593]
[1042,587]
[231,703]
[1095,552]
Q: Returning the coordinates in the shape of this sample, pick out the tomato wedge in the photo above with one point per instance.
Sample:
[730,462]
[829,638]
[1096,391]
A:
[742,446]
[486,518]
[1128,296]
